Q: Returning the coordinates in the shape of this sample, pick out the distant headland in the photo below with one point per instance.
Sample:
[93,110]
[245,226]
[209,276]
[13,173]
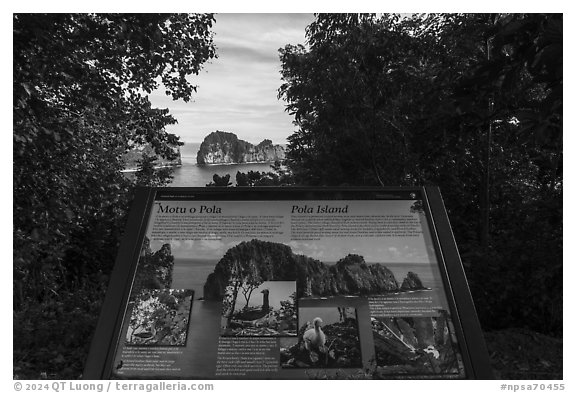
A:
[221,147]
[134,155]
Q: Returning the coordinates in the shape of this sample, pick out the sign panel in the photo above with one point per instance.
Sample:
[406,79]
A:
[289,284]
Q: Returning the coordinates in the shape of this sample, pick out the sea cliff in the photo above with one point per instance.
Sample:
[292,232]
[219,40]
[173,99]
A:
[225,148]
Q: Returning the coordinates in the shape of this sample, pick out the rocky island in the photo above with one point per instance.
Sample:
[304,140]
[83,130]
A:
[221,147]
[268,261]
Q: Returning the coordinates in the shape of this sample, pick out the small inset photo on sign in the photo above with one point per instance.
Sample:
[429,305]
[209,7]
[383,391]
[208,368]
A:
[160,317]
[327,338]
[259,308]
[414,345]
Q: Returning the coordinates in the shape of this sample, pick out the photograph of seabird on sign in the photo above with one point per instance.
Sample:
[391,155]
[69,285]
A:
[256,308]
[327,338]
[414,345]
[160,317]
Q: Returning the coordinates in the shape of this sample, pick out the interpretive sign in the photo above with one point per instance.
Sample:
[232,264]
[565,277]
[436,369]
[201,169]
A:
[288,283]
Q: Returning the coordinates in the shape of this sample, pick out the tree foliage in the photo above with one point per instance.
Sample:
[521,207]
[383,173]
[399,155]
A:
[220,181]
[80,102]
[469,102]
[279,176]
[149,174]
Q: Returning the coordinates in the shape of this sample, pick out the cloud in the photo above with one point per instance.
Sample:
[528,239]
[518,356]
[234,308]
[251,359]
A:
[312,250]
[394,251]
[241,52]
[237,92]
[210,244]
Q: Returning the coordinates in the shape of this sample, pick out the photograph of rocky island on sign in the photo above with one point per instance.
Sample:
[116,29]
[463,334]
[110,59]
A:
[160,317]
[328,337]
[350,275]
[255,308]
[415,346]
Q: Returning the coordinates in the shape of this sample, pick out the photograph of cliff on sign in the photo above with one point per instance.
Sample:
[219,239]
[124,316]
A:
[259,308]
[350,275]
[415,346]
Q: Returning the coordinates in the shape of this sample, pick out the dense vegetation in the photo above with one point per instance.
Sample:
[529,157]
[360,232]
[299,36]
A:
[80,89]
[471,103]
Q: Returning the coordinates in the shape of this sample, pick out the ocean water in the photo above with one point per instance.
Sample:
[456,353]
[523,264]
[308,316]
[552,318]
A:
[201,346]
[192,273]
[192,175]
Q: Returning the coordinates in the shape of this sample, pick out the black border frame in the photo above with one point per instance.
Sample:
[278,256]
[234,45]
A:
[100,359]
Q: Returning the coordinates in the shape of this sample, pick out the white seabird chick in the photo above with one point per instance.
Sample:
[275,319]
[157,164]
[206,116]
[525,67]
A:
[315,338]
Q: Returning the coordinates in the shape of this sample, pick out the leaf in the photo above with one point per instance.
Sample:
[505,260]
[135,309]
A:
[27,88]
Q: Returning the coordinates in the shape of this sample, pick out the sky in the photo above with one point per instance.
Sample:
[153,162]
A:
[237,92]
